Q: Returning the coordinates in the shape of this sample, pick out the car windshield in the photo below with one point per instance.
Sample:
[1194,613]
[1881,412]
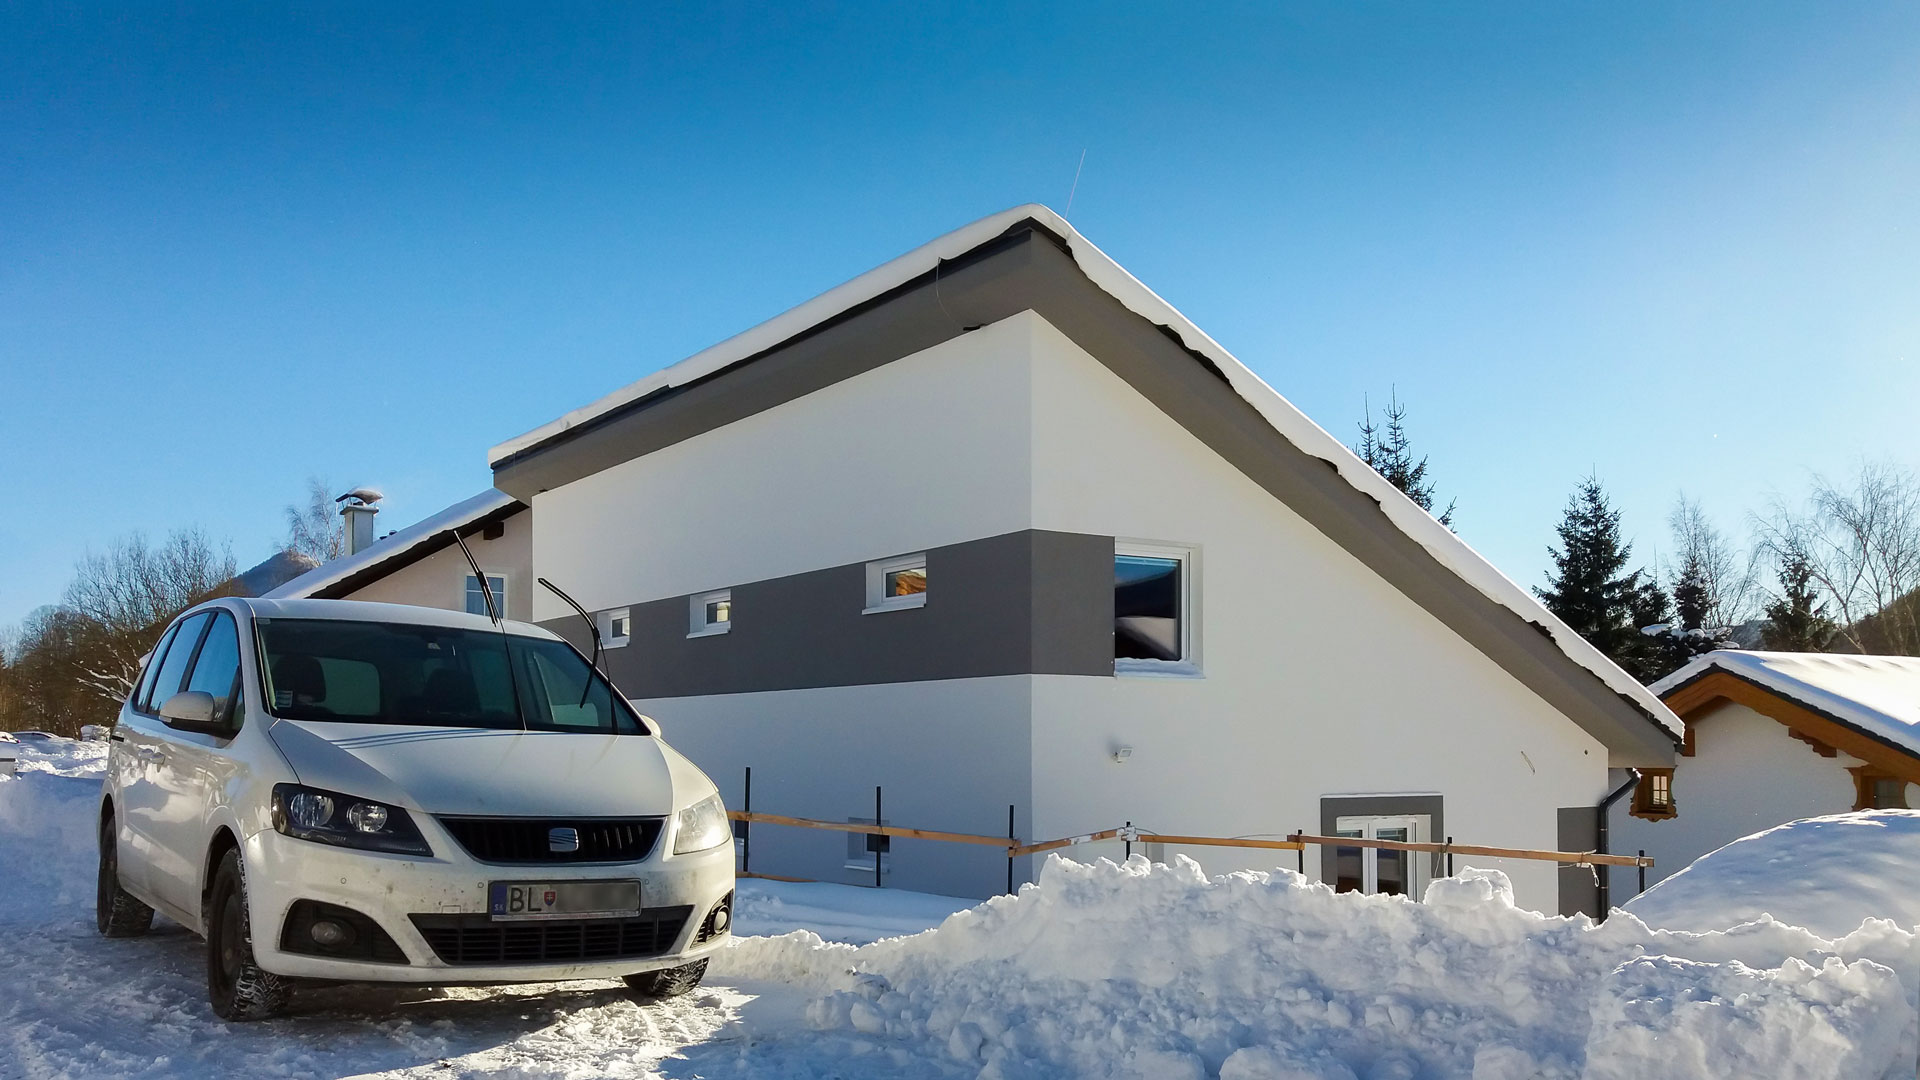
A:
[396,673]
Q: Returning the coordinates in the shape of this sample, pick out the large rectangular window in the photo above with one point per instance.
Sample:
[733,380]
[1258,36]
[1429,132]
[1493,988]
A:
[1153,609]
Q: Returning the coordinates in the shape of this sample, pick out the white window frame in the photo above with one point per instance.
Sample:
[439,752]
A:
[697,624]
[608,638]
[1369,825]
[858,858]
[1188,666]
[877,571]
[499,598]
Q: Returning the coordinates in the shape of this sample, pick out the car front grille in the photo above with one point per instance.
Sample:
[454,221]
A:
[530,840]
[476,939]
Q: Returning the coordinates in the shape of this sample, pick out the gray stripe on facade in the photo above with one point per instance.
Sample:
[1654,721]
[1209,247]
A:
[1030,271]
[1023,603]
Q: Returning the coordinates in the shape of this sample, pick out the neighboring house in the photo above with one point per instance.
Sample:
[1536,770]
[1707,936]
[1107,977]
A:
[272,572]
[422,565]
[1770,738]
[993,525]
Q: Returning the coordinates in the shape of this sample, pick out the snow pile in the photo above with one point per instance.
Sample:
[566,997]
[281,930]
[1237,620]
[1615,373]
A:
[1159,971]
[1828,874]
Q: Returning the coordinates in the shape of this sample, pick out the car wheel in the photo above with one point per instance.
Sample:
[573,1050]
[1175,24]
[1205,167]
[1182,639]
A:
[670,982]
[237,987]
[115,911]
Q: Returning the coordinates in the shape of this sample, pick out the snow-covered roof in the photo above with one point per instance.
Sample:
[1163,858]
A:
[1877,694]
[405,544]
[1292,424]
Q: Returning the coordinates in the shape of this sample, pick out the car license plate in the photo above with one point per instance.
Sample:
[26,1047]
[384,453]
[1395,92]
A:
[514,900]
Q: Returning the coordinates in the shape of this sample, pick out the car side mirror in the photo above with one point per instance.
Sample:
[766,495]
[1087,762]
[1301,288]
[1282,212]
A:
[191,710]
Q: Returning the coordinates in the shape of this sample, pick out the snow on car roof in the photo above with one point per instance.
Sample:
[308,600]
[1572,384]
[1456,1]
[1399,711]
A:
[1292,424]
[1877,694]
[371,611]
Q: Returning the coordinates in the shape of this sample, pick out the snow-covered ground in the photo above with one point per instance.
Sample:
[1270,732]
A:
[1824,873]
[1100,970]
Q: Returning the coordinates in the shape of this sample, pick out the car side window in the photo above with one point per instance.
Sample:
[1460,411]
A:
[173,666]
[145,690]
[217,670]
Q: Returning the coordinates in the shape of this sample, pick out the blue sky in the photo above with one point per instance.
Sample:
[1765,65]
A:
[245,244]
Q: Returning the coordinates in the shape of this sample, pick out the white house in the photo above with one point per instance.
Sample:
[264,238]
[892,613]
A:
[994,526]
[422,565]
[1771,738]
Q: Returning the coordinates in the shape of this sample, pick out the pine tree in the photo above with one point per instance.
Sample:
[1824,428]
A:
[1797,621]
[1592,591]
[1693,594]
[1391,455]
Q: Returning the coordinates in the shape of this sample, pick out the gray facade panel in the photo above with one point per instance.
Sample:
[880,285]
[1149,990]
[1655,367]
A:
[1072,602]
[1333,808]
[1022,603]
[1579,889]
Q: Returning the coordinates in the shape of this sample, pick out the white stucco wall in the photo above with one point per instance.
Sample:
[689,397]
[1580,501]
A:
[950,756]
[440,579]
[928,450]
[1319,677]
[1748,773]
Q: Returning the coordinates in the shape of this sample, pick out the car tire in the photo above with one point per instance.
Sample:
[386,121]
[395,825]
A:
[116,912]
[238,988]
[668,982]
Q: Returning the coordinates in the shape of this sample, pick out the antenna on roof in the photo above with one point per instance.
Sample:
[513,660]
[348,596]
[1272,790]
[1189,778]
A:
[1076,181]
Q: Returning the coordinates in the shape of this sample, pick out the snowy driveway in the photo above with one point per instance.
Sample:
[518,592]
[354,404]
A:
[74,1004]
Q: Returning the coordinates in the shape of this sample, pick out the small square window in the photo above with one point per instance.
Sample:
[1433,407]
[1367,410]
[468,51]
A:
[862,847]
[477,600]
[710,613]
[1874,789]
[894,584]
[1153,610]
[1653,796]
[616,628]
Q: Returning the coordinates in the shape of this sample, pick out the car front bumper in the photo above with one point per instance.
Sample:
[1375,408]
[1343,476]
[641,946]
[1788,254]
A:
[391,889]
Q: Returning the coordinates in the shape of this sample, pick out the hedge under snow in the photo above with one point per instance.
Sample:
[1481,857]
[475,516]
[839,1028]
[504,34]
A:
[1145,970]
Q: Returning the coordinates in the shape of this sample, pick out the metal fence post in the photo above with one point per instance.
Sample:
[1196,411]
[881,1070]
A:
[1449,856]
[879,839]
[1129,838]
[746,829]
[1012,842]
[1643,871]
[1300,856]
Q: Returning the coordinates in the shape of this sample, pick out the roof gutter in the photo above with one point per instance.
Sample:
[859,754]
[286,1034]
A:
[1602,875]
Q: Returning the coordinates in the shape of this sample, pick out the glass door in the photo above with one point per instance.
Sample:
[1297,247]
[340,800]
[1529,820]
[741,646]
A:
[1380,870]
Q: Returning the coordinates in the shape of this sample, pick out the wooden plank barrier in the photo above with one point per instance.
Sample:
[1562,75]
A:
[1294,842]
[1574,858]
[869,830]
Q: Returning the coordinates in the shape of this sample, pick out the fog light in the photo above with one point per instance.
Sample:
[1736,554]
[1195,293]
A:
[330,935]
[720,921]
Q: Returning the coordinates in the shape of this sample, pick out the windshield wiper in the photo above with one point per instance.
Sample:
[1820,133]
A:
[592,628]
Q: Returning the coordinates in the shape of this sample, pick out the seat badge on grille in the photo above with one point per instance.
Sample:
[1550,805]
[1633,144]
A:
[562,841]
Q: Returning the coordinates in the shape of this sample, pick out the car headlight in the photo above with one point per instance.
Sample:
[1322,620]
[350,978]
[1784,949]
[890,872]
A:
[328,817]
[701,826]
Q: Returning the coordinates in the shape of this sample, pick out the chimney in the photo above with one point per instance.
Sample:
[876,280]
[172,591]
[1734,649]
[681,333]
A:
[358,510]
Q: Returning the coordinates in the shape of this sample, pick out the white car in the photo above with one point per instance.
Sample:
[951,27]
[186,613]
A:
[344,791]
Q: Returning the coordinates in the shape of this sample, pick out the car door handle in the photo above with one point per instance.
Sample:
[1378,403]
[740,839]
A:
[150,753]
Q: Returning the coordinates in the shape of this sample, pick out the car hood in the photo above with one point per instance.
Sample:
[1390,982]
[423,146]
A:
[442,770]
